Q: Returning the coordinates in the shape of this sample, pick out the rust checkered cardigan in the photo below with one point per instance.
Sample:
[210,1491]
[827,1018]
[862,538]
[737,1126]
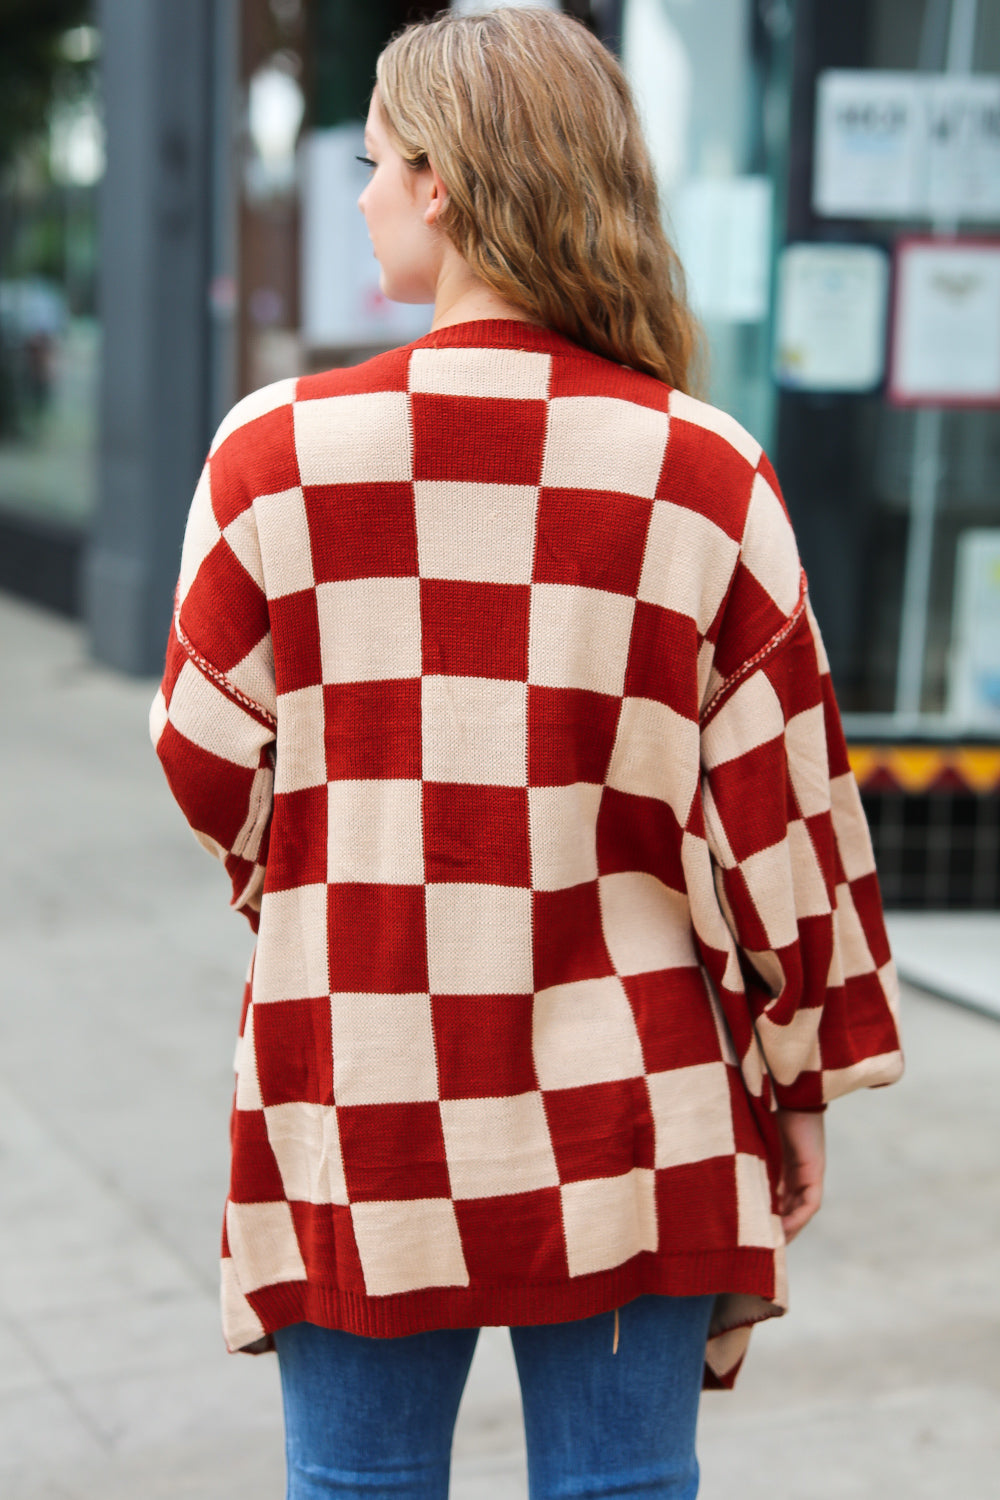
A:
[494,682]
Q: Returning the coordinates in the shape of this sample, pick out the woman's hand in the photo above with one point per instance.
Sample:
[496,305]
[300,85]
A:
[801,1191]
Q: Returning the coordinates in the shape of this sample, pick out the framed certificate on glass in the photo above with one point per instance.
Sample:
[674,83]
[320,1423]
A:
[829,330]
[945,346]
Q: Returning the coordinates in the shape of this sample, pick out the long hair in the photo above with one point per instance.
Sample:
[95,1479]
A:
[551,197]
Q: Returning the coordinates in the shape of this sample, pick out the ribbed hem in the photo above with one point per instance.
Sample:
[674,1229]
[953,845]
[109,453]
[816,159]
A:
[743,1271]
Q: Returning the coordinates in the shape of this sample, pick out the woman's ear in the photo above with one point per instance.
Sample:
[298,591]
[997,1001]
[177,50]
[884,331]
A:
[438,199]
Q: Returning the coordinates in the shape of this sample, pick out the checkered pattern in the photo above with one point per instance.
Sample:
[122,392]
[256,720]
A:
[494,683]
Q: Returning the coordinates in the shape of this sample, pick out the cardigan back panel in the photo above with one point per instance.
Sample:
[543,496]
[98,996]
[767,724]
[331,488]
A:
[494,682]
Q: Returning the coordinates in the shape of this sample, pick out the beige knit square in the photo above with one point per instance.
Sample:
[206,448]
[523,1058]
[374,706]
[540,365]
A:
[369,629]
[479,939]
[692,1114]
[770,880]
[687,409]
[751,717]
[475,730]
[688,563]
[292,955]
[608,1220]
[563,827]
[600,443]
[374,832]
[408,1245]
[383,1049]
[753,1200]
[504,374]
[794,1047]
[812,898]
[850,828]
[808,766]
[248,1094]
[852,944]
[240,1323]
[362,439]
[306,1144]
[201,534]
[263,1244]
[647,925]
[769,550]
[584,1032]
[286,551]
[206,716]
[254,675]
[257,404]
[579,637]
[484,533]
[498,1146]
[300,758]
[656,754]
[243,540]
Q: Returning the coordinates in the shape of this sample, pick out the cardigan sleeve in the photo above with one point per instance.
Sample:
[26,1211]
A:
[791,853]
[213,719]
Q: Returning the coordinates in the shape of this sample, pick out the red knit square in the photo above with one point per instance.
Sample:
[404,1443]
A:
[386,372]
[601,1129]
[696,1205]
[361,531]
[298,851]
[639,833]
[475,629]
[663,659]
[569,942]
[483,1045]
[792,673]
[378,939]
[705,473]
[223,635]
[295,628]
[478,439]
[476,833]
[373,730]
[755,822]
[588,375]
[205,803]
[393,1151]
[294,1051]
[673,1015]
[257,459]
[571,734]
[530,1250]
[746,1131]
[328,1246]
[254,1176]
[591,538]
[750,602]
[867,904]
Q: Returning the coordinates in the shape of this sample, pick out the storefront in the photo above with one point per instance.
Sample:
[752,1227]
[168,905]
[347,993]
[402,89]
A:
[832,176]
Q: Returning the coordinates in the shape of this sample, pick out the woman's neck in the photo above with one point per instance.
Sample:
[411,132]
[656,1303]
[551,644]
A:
[462,297]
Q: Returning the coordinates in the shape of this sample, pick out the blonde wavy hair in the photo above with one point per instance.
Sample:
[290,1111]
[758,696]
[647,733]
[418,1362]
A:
[551,197]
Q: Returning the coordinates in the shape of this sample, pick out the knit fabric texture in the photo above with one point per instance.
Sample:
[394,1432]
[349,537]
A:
[494,682]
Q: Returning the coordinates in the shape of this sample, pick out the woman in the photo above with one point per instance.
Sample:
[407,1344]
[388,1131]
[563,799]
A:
[495,684]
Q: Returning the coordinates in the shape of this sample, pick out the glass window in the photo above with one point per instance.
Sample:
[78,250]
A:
[51,158]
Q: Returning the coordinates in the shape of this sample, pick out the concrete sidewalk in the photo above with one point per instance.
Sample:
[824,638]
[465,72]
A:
[121,977]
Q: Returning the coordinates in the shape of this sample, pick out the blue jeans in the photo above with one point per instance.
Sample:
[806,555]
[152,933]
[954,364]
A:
[374,1418]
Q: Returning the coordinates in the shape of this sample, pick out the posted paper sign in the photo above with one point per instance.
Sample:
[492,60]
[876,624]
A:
[870,130]
[946,338]
[974,677]
[831,317]
[724,234]
[907,145]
